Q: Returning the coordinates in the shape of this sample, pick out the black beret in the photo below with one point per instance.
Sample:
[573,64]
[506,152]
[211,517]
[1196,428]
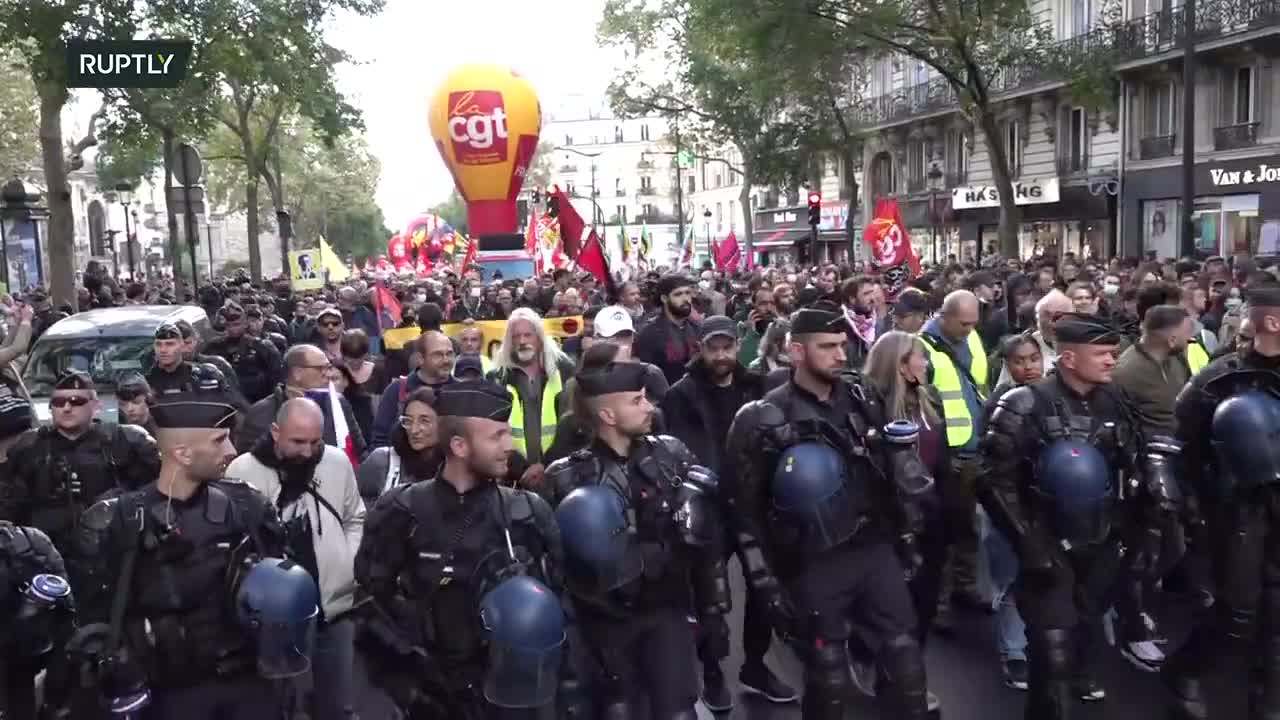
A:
[482,399]
[1084,329]
[674,281]
[186,329]
[615,377]
[131,385]
[208,410]
[1267,295]
[231,312]
[817,320]
[254,312]
[74,380]
[168,331]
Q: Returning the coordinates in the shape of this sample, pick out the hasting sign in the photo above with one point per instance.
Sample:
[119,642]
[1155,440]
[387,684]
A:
[1025,192]
[127,63]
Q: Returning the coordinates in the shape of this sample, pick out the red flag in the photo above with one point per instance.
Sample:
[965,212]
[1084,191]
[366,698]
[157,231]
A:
[728,254]
[886,236]
[571,223]
[592,258]
[469,259]
[384,301]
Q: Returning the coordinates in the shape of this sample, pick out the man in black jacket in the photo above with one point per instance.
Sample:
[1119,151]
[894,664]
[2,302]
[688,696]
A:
[670,341]
[699,409]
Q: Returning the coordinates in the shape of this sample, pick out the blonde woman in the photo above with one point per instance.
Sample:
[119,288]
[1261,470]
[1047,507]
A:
[897,368]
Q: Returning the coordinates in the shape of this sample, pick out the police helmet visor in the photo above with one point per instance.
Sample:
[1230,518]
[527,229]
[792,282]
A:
[285,647]
[522,677]
[1075,491]
[812,498]
[591,577]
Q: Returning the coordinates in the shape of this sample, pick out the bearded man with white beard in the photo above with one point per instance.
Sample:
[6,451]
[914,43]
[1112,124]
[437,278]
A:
[534,370]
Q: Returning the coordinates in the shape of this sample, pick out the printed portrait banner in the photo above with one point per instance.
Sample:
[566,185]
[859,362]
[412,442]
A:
[305,271]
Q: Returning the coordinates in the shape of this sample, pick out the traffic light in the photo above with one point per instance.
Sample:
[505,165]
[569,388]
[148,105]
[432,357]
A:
[815,208]
[553,206]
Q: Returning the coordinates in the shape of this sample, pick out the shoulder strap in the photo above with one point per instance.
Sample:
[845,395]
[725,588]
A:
[393,470]
[311,489]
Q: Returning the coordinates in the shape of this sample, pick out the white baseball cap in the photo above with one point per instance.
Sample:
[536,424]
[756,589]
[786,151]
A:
[612,320]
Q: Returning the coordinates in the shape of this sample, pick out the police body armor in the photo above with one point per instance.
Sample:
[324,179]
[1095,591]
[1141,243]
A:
[451,573]
[188,377]
[1246,428]
[1075,490]
[64,485]
[627,528]
[247,358]
[181,606]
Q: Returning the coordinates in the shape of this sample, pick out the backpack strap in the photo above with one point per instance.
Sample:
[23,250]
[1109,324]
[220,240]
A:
[393,470]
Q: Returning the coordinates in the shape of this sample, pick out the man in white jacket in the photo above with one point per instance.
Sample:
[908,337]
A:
[313,487]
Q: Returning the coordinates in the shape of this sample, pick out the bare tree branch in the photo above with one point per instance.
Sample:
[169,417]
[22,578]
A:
[75,158]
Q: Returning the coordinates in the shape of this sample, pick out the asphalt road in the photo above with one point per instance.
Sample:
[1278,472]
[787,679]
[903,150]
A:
[964,671]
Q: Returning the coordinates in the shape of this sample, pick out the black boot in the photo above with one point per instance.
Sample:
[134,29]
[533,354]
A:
[1052,666]
[1182,672]
[715,691]
[1264,688]
[903,691]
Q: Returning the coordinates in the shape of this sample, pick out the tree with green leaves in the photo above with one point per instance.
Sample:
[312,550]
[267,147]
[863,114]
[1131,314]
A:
[282,66]
[453,211]
[712,97]
[539,174]
[19,117]
[978,47]
[38,30]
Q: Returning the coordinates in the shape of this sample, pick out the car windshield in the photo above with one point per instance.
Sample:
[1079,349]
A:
[515,269]
[104,358]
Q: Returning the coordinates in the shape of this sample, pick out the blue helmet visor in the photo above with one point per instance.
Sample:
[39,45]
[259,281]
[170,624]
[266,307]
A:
[522,677]
[284,648]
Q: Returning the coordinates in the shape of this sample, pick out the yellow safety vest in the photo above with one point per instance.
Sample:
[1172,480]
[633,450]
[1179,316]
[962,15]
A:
[1197,356]
[549,418]
[946,378]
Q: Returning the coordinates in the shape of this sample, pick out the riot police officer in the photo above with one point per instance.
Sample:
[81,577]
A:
[256,361]
[435,553]
[172,374]
[638,521]
[168,582]
[191,352]
[1227,418]
[825,514]
[38,611]
[56,471]
[1050,461]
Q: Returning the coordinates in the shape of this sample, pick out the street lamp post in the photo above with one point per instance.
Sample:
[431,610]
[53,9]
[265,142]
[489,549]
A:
[935,175]
[706,228]
[125,194]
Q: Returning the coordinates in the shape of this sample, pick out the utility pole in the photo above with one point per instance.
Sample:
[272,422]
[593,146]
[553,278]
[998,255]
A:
[679,188]
[1188,244]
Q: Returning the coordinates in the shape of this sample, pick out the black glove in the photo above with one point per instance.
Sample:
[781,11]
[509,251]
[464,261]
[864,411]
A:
[1038,558]
[779,611]
[715,634]
[908,549]
[1144,559]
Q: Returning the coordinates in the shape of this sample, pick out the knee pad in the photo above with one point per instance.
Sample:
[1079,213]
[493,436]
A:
[1052,651]
[902,662]
[618,710]
[1240,624]
[827,672]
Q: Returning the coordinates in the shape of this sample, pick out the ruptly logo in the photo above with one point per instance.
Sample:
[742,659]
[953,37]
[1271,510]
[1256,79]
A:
[127,63]
[478,127]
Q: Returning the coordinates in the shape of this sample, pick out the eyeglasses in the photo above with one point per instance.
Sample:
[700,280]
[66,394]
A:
[73,401]
[409,423]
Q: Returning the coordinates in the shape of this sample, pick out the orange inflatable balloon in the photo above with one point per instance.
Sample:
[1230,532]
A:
[485,120]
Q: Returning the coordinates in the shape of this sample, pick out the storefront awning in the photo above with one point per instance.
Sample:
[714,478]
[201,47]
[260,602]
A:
[779,238]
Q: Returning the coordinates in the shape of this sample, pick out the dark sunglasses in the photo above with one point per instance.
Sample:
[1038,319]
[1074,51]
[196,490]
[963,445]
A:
[75,401]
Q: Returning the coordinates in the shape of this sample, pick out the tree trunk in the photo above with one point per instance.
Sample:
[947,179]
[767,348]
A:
[1010,213]
[175,246]
[251,224]
[744,200]
[62,228]
[848,152]
[275,184]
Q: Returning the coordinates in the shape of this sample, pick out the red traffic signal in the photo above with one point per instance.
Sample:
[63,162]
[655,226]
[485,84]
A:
[815,208]
[815,199]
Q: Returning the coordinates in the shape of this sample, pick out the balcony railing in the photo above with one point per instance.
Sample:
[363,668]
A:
[1135,39]
[621,193]
[1156,146]
[647,190]
[1231,137]
[568,168]
[644,165]
[916,184]
[1068,165]
[657,218]
[956,178]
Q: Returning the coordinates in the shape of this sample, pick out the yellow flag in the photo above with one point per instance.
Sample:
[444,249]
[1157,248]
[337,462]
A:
[331,262]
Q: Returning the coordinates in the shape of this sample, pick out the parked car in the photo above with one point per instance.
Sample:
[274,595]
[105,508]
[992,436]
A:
[106,343]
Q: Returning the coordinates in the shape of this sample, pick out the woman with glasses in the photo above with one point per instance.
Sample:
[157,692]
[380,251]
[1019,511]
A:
[413,454]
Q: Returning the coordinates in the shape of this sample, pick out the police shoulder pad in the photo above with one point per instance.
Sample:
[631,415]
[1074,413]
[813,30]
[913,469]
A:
[519,505]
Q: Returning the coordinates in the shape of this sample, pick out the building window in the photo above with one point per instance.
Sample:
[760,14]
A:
[917,158]
[644,132]
[1241,96]
[692,184]
[1081,17]
[617,188]
[719,217]
[568,139]
[719,180]
[881,77]
[648,211]
[733,212]
[882,175]
[755,203]
[1013,147]
[1160,116]
[568,188]
[621,213]
[957,159]
[920,74]
[617,133]
[646,182]
[1073,140]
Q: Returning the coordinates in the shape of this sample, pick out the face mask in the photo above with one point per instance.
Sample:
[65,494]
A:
[1110,289]
[421,297]
[704,284]
[475,292]
[1234,303]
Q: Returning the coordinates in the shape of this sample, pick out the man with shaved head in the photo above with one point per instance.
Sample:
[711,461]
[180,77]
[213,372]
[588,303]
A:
[958,369]
[314,487]
[1226,420]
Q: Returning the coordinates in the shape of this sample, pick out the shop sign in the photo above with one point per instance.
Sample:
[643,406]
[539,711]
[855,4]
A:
[1221,177]
[1025,192]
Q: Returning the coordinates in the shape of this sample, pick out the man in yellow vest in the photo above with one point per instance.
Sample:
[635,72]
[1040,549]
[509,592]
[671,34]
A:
[958,369]
[533,369]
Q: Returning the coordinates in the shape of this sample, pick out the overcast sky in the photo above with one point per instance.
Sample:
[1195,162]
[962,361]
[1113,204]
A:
[409,48]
